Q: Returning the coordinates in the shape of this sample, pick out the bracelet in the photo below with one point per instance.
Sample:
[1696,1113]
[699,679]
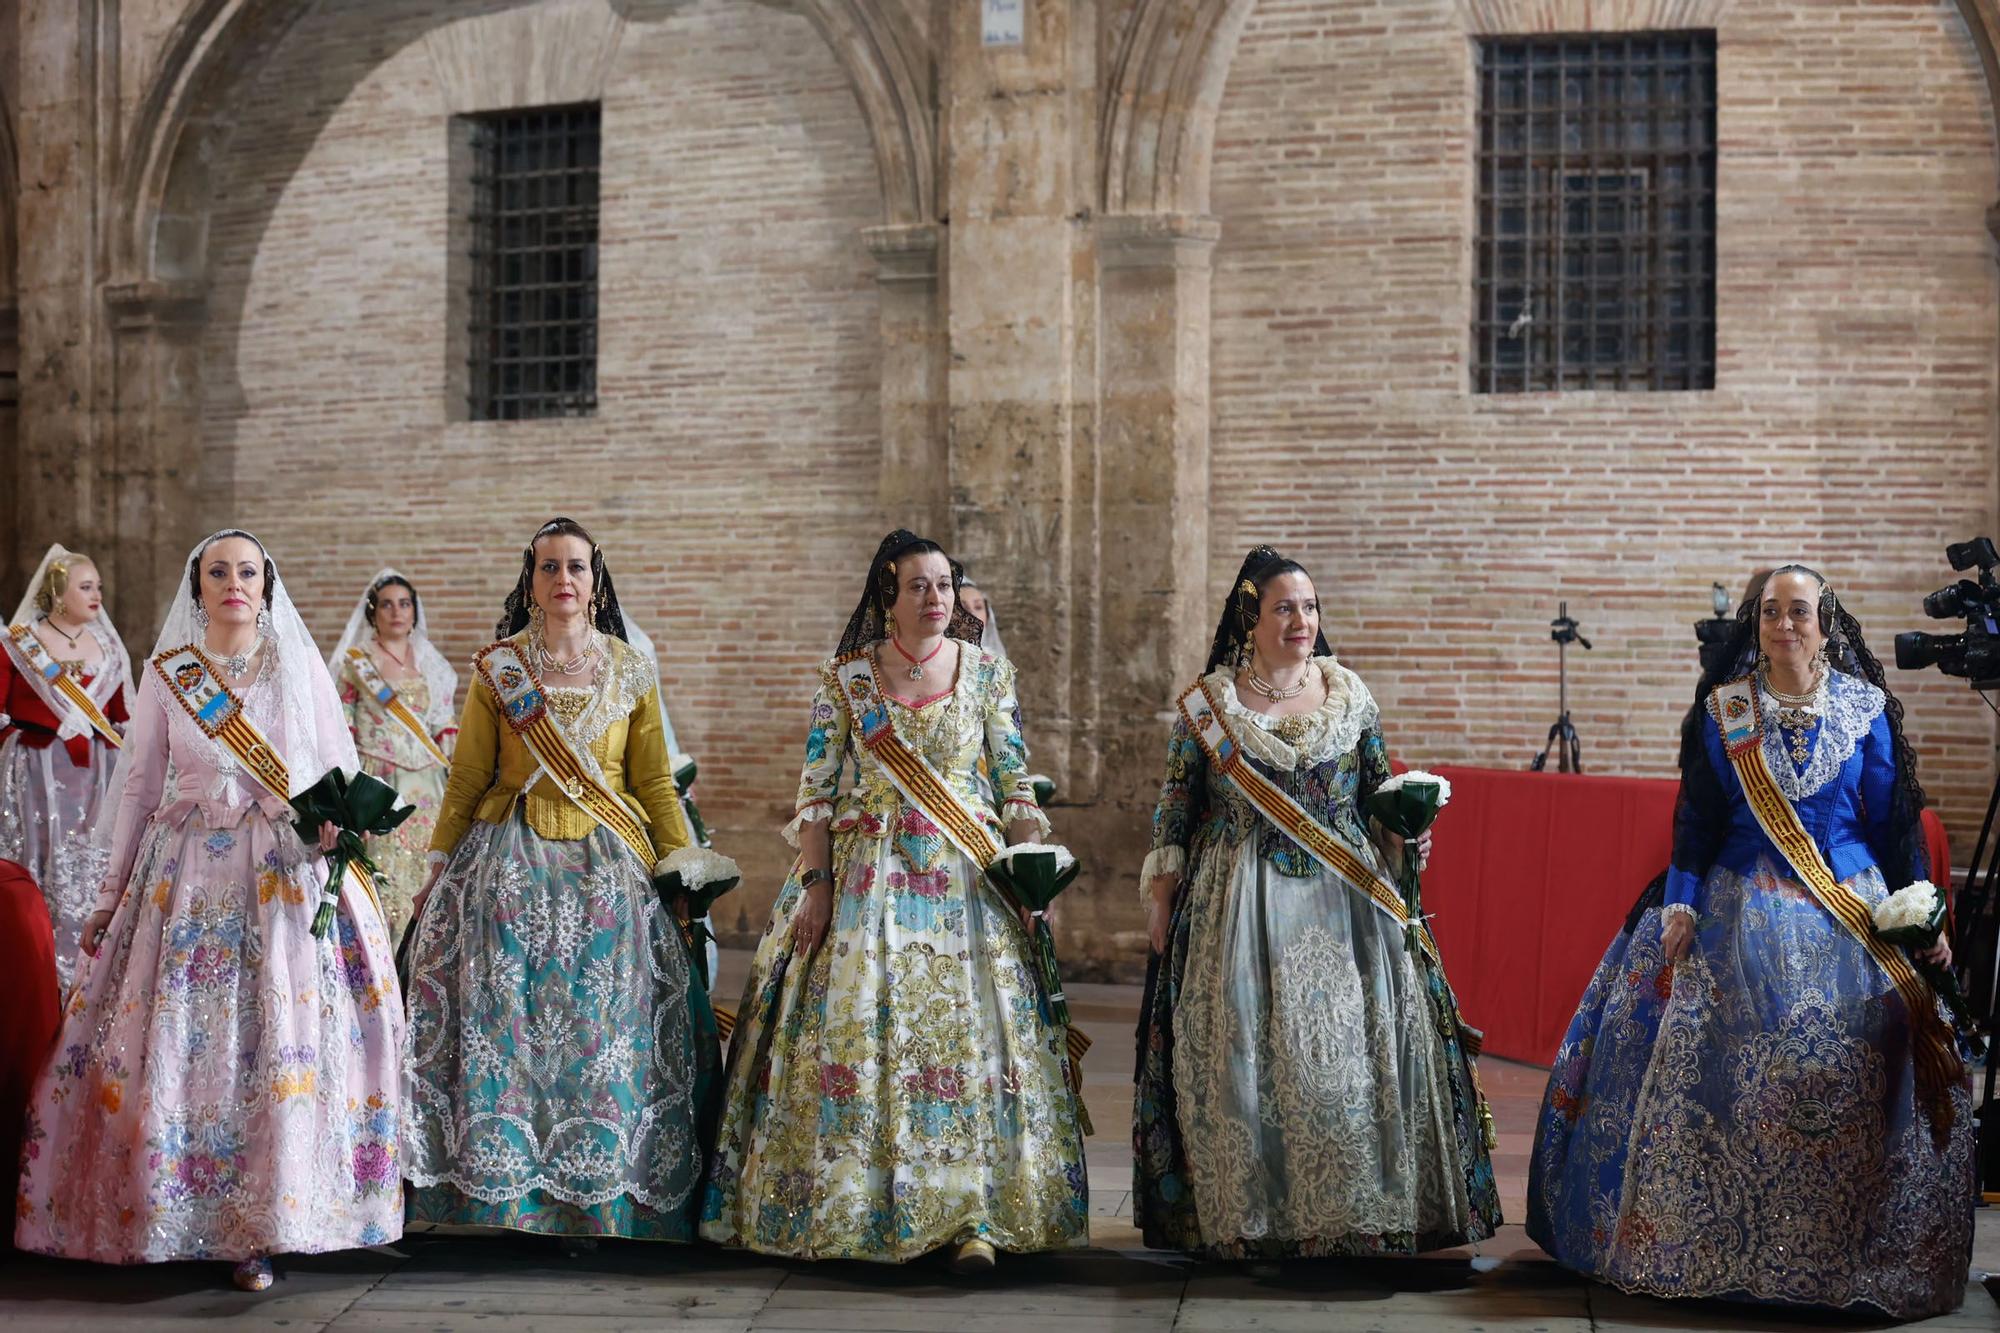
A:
[814,876]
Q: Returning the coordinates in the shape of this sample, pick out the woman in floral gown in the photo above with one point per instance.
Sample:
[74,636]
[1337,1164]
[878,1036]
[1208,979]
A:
[225,1082]
[55,762]
[405,741]
[896,1084]
[1304,1088]
[563,1055]
[1737,1110]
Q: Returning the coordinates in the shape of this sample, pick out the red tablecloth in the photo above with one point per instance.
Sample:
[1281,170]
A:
[1530,877]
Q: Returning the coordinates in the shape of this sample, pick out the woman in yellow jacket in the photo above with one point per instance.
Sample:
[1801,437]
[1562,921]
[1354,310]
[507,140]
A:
[563,1056]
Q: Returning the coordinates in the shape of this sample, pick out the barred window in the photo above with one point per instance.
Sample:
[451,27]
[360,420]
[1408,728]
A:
[1596,229]
[532,308]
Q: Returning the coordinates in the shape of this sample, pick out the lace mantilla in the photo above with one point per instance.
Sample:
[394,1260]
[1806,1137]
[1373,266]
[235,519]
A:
[1328,732]
[1848,708]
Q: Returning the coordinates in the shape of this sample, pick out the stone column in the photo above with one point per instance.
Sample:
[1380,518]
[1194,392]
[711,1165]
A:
[914,488]
[1010,189]
[150,474]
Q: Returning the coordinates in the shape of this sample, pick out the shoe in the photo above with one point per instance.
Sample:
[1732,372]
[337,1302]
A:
[973,1258]
[575,1247]
[254,1275]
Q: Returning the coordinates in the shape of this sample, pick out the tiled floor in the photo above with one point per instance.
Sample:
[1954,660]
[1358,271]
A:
[435,1281]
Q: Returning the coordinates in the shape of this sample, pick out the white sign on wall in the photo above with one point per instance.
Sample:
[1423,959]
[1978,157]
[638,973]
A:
[1002,22]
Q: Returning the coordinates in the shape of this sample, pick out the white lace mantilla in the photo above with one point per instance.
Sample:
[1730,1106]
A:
[1848,707]
[1331,730]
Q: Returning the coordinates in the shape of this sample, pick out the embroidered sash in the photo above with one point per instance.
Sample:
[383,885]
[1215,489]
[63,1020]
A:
[1739,717]
[868,712]
[35,656]
[518,691]
[1225,756]
[392,703]
[220,715]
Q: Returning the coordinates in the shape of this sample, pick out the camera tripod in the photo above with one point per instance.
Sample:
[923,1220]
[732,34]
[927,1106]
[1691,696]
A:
[1976,956]
[1562,736]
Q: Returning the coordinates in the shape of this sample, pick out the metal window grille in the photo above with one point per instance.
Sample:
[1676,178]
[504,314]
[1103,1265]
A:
[1596,229]
[533,307]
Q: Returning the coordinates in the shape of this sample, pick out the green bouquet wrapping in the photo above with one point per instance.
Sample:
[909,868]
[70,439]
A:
[685,770]
[701,876]
[1406,805]
[358,806]
[1913,918]
[1045,788]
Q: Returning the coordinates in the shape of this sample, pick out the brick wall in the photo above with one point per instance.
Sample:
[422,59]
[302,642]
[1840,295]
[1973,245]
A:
[1852,425]
[729,471]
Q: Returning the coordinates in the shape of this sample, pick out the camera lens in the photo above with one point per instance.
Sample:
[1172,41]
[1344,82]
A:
[1916,650]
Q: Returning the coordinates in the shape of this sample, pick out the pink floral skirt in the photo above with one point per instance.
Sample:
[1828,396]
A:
[224,1084]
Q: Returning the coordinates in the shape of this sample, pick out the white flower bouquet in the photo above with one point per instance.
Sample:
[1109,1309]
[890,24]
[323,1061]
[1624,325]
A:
[1914,917]
[1406,804]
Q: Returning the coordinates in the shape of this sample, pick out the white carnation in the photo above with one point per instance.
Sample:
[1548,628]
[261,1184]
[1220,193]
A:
[1913,905]
[698,867]
[1397,781]
[1063,858]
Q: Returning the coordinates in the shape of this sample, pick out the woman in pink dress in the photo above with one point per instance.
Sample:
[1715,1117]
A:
[224,1085]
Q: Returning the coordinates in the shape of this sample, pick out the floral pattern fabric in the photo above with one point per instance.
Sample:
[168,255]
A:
[388,751]
[563,1060]
[1302,1089]
[48,806]
[224,1084]
[903,1087]
[1743,1124]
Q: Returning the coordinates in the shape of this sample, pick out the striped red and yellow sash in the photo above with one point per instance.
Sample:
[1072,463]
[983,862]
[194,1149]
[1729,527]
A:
[1225,756]
[392,703]
[190,679]
[36,657]
[868,711]
[1738,716]
[519,693]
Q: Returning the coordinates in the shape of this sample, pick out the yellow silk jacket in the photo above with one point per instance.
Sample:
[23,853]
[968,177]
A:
[620,727]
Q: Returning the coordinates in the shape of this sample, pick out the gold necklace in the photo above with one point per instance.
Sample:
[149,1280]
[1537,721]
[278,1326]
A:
[555,666]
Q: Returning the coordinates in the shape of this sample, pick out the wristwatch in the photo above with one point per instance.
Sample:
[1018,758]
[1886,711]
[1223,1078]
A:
[814,876]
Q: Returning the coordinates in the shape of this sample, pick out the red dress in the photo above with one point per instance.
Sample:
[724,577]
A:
[28,997]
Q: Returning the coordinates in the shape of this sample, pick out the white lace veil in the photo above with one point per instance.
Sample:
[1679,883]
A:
[316,735]
[104,683]
[438,673]
[989,636]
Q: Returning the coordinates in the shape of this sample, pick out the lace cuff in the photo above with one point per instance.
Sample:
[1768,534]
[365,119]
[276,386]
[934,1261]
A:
[1679,909]
[1028,810]
[1168,860]
[811,814]
[436,859]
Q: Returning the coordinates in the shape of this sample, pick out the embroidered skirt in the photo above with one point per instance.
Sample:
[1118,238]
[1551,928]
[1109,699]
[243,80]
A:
[1301,1091]
[225,1084]
[47,808]
[403,854]
[902,1088]
[562,1058]
[1744,1125]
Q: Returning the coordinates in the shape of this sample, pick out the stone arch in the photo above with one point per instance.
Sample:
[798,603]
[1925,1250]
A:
[162,190]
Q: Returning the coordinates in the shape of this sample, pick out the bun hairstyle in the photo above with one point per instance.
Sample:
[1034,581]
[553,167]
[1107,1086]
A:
[56,582]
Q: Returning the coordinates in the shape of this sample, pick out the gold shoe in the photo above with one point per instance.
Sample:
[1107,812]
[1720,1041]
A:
[253,1275]
[973,1258]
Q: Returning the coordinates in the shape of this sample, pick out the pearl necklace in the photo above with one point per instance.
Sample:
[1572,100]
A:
[1796,714]
[237,665]
[1273,692]
[555,666]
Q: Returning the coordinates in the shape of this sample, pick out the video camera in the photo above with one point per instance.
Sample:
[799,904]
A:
[1974,653]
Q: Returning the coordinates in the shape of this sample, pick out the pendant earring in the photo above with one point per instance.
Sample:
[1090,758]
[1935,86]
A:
[894,633]
[1763,661]
[535,617]
[200,616]
[264,622]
